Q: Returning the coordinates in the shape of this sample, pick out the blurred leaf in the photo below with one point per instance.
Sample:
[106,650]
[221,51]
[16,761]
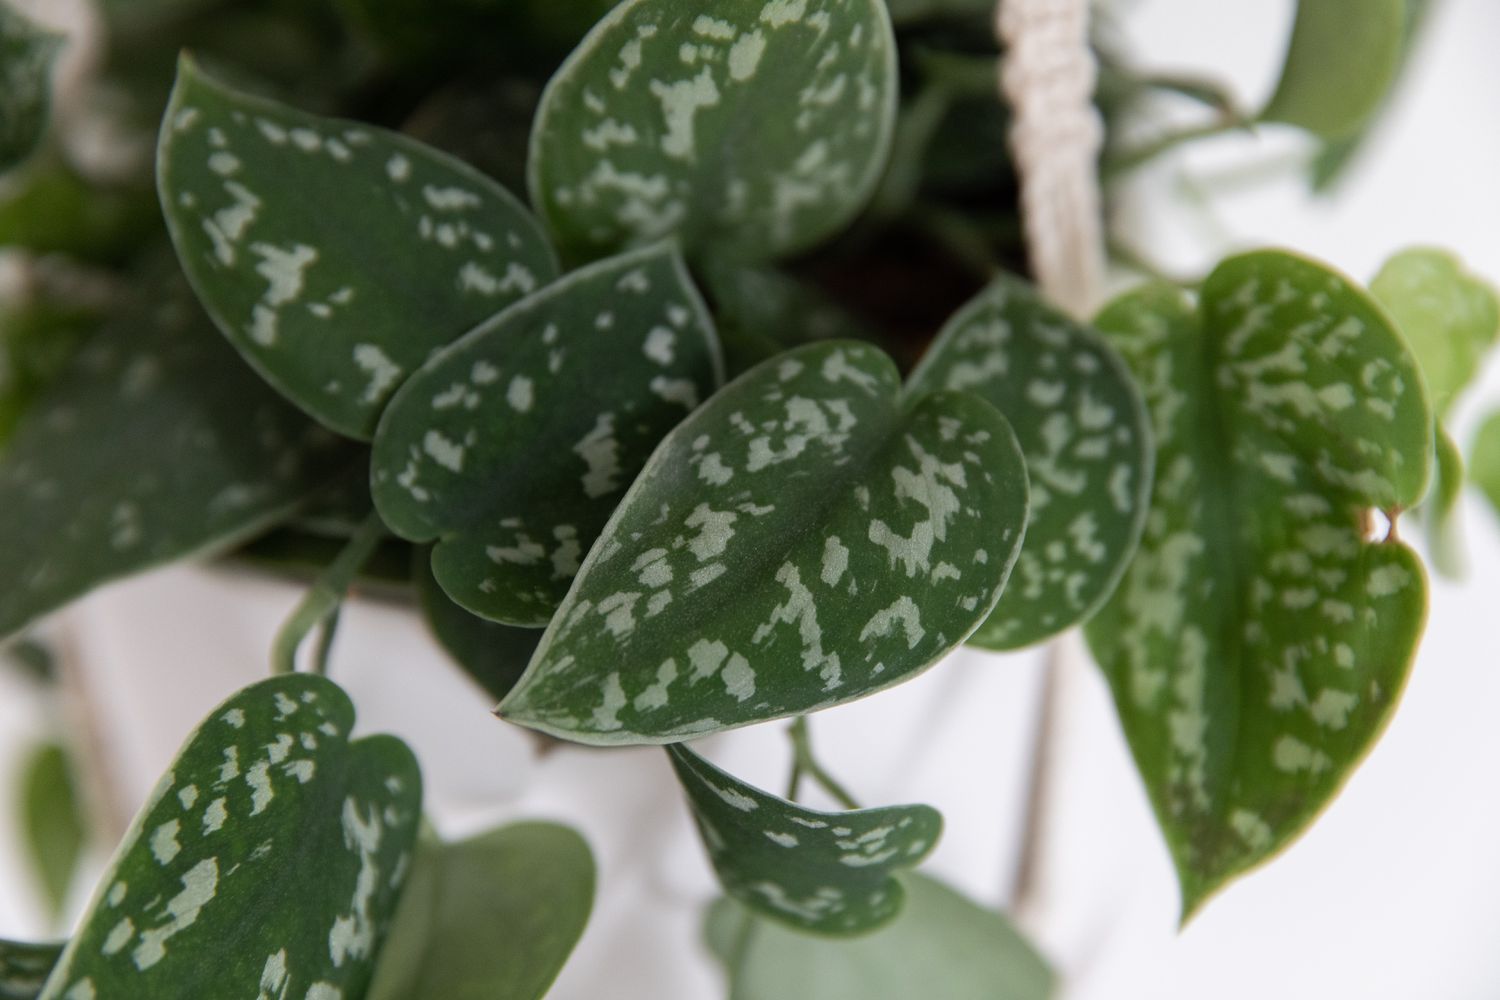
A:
[941,946]
[764,306]
[49,208]
[1440,512]
[38,337]
[26,55]
[1484,460]
[494,655]
[54,823]
[24,968]
[1343,57]
[489,918]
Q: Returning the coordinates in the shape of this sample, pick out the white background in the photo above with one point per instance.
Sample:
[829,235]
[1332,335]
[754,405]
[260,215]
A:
[1394,893]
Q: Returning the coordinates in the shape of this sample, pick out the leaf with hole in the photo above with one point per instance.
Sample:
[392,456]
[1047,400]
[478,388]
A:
[940,936]
[826,872]
[1258,642]
[802,540]
[754,128]
[272,853]
[493,917]
[1342,58]
[335,256]
[512,446]
[1083,429]
[54,824]
[26,55]
[493,655]
[24,968]
[155,443]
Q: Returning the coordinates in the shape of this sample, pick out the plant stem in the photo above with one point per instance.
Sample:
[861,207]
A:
[323,598]
[1027,873]
[803,762]
[1122,163]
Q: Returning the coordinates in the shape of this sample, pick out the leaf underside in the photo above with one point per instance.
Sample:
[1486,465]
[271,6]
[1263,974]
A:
[1258,642]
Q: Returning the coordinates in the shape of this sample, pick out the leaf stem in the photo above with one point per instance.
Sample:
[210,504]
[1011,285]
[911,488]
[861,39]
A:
[1124,162]
[320,606]
[803,762]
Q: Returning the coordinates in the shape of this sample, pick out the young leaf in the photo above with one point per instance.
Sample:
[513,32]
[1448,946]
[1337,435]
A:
[1484,459]
[754,127]
[940,937]
[155,443]
[493,655]
[1082,426]
[1343,57]
[1258,643]
[26,55]
[55,829]
[335,256]
[800,541]
[512,446]
[828,872]
[490,918]
[272,853]
[24,968]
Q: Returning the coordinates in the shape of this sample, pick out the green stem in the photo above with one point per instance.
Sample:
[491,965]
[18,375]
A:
[1123,163]
[323,598]
[805,762]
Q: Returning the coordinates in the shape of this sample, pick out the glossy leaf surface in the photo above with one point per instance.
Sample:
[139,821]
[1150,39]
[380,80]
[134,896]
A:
[512,446]
[489,918]
[155,443]
[335,256]
[940,941]
[1259,641]
[26,54]
[800,541]
[1343,57]
[55,830]
[271,857]
[24,968]
[1083,429]
[494,655]
[756,127]
[828,872]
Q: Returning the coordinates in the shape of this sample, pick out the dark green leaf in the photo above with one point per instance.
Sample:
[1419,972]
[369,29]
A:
[490,918]
[50,208]
[758,129]
[829,872]
[494,655]
[1258,642]
[512,446]
[1083,428]
[55,829]
[1343,57]
[24,968]
[800,541]
[334,255]
[762,311]
[271,855]
[38,336]
[26,54]
[942,946]
[155,443]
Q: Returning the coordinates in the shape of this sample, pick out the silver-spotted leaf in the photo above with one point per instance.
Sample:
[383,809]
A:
[828,872]
[24,968]
[155,443]
[1083,429]
[754,127]
[493,655]
[800,541]
[942,944]
[512,446]
[1258,642]
[1343,57]
[26,55]
[334,255]
[53,818]
[493,917]
[270,858]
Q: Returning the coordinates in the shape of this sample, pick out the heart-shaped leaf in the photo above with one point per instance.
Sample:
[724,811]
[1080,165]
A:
[1343,57]
[55,829]
[755,127]
[1258,643]
[941,940]
[1083,428]
[829,872]
[26,55]
[493,655]
[155,443]
[24,968]
[513,445]
[334,255]
[800,541]
[272,853]
[490,918]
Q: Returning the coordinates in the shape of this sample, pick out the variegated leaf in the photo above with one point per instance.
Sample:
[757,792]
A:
[512,446]
[829,872]
[268,863]
[26,55]
[800,541]
[753,127]
[493,655]
[1259,640]
[335,256]
[24,968]
[1083,428]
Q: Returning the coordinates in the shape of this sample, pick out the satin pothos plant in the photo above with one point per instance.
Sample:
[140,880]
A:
[604,382]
